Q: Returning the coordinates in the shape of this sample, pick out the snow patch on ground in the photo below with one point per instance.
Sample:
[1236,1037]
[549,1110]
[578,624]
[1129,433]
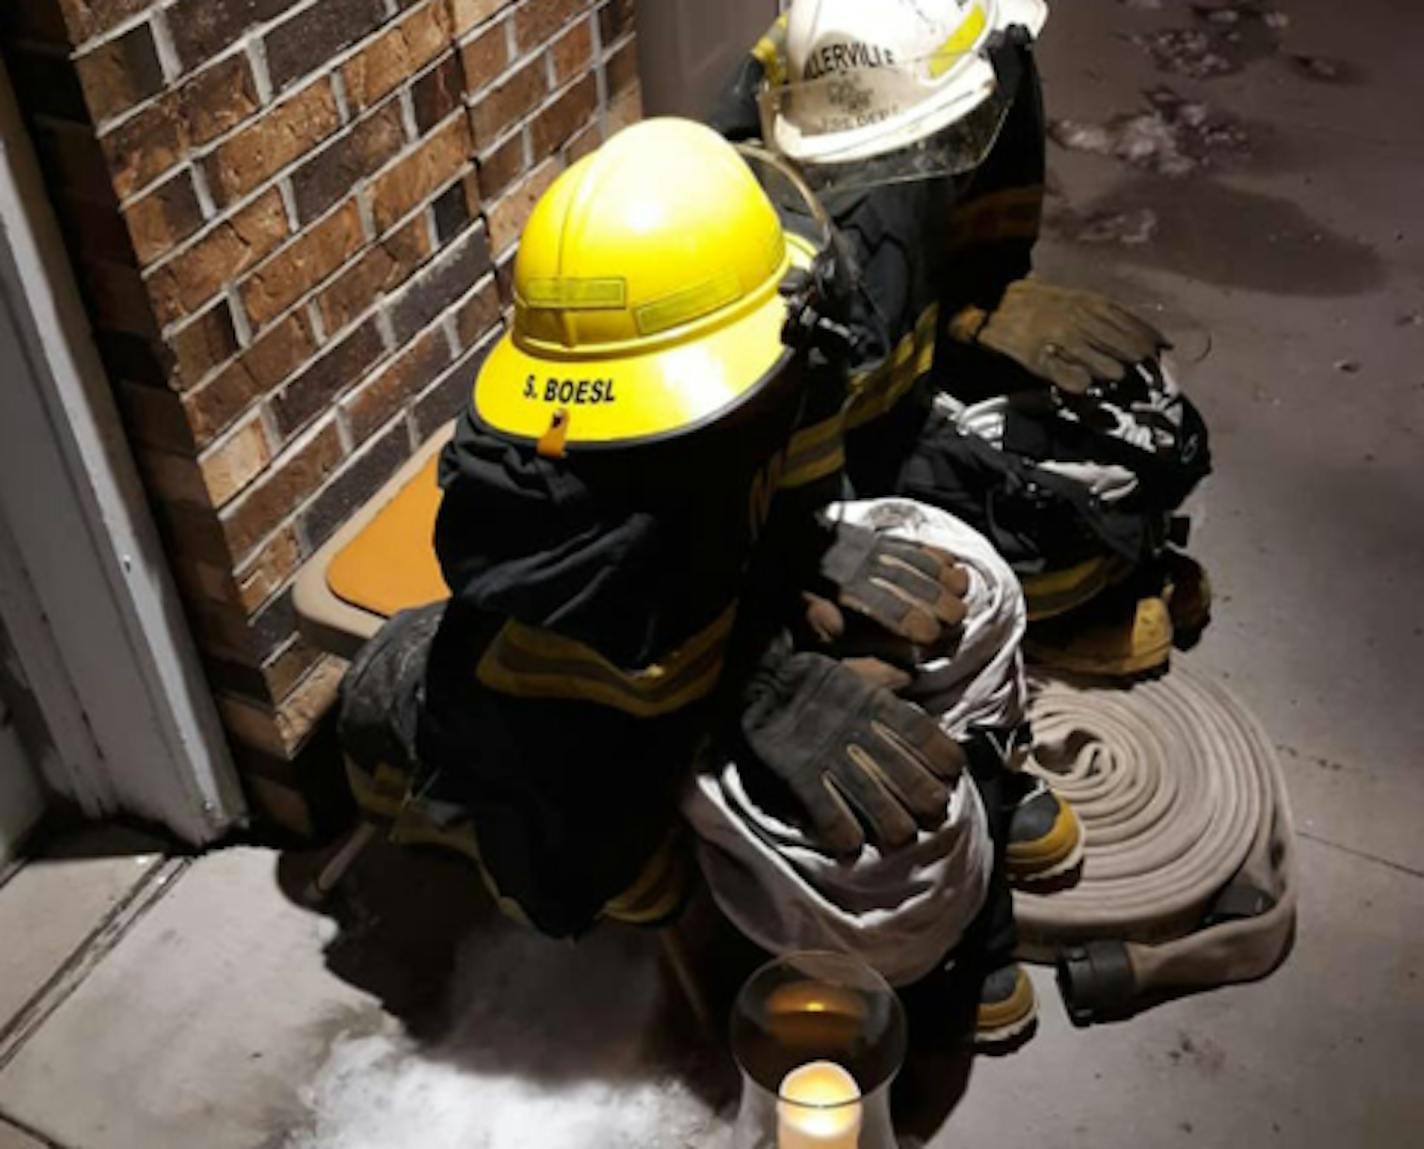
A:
[549,1045]
[1173,137]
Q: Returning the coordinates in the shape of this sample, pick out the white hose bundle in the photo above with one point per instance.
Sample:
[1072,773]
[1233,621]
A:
[902,911]
[1188,873]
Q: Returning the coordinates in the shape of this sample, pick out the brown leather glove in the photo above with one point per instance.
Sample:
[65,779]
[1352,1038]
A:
[857,760]
[1069,337]
[888,598]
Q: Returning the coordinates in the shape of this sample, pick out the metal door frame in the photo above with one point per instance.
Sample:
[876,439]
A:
[84,583]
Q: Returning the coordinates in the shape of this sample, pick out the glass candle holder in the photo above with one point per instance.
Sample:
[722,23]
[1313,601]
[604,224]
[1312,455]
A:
[819,1038]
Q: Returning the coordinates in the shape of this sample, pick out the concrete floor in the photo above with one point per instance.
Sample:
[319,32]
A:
[168,1004]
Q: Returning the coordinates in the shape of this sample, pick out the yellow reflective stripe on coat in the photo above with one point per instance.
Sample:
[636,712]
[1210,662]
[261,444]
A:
[528,662]
[660,888]
[381,793]
[877,391]
[654,896]
[1014,213]
[815,452]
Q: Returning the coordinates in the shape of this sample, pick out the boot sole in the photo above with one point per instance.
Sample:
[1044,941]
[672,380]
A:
[1010,1033]
[1012,1030]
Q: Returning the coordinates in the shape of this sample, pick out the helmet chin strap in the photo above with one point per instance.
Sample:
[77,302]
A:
[1006,59]
[766,156]
[811,296]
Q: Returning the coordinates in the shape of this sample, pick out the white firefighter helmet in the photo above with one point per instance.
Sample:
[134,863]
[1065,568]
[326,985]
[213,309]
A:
[864,80]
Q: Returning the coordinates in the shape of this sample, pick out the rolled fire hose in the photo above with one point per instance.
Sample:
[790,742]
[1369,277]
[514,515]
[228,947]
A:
[1188,874]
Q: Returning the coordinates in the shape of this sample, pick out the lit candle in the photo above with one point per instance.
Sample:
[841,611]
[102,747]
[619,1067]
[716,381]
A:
[819,1108]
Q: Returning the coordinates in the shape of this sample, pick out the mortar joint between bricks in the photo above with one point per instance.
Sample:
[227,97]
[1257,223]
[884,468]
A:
[367,211]
[596,36]
[108,36]
[408,120]
[206,204]
[317,320]
[338,88]
[240,325]
[270,430]
[163,41]
[256,50]
[386,327]
[432,228]
[304,548]
[344,435]
[289,203]
[452,334]
[600,85]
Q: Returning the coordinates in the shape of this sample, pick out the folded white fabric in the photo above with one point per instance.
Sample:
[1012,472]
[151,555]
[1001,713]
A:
[900,912]
[1148,416]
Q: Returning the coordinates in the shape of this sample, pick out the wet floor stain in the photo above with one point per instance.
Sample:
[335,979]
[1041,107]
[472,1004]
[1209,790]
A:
[1209,231]
[1197,1052]
[1130,228]
[1326,69]
[1320,761]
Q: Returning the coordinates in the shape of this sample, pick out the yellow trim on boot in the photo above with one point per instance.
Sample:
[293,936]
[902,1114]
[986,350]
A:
[1056,592]
[1052,855]
[1107,648]
[1007,1019]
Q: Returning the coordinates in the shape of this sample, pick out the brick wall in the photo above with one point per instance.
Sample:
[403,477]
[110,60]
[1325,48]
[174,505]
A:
[292,222]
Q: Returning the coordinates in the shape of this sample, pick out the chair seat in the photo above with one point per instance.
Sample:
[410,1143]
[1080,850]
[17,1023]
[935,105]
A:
[381,561]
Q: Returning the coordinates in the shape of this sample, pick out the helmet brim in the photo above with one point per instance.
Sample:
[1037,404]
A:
[909,118]
[950,142]
[622,401]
